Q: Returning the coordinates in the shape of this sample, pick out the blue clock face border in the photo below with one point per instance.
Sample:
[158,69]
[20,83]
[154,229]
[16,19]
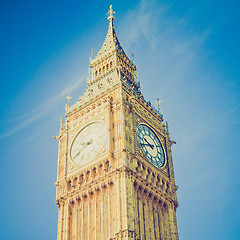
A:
[151,145]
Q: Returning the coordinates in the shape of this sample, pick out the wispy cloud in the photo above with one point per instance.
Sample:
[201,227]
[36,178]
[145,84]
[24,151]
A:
[42,109]
[139,23]
[150,22]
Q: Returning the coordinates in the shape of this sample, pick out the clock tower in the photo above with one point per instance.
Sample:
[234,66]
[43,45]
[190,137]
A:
[115,176]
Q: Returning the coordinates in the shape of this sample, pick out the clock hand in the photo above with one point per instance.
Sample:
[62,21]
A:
[90,142]
[160,152]
[150,145]
[77,154]
[146,140]
[85,144]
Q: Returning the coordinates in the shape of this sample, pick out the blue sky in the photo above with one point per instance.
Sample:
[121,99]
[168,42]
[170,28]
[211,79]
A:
[187,54]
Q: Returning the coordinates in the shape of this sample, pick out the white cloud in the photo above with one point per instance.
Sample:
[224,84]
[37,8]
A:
[42,109]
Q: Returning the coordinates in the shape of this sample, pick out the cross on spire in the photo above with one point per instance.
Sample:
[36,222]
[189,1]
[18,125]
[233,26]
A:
[110,13]
[68,98]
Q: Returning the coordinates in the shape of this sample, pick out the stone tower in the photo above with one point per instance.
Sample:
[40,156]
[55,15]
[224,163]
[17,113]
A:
[115,175]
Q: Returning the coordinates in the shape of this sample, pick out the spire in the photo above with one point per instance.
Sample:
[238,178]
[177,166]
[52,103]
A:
[111,18]
[111,42]
[111,66]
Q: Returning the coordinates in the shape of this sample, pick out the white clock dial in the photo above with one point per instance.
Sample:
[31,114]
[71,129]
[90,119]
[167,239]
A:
[88,143]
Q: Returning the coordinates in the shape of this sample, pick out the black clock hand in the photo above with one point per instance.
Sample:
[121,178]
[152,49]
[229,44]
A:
[85,144]
[77,154]
[150,145]
[146,140]
[90,142]
[146,144]
[160,152]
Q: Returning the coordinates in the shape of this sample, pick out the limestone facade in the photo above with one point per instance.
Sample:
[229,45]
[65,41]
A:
[117,194]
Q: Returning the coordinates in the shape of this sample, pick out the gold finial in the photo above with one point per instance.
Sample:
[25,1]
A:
[68,98]
[158,103]
[110,13]
[91,54]
[133,55]
[90,60]
[61,124]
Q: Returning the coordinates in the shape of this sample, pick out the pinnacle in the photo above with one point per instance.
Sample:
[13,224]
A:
[111,42]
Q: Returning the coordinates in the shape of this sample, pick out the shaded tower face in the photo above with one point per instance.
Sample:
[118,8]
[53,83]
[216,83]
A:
[115,172]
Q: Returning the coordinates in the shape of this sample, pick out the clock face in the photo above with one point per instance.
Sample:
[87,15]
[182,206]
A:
[150,145]
[88,143]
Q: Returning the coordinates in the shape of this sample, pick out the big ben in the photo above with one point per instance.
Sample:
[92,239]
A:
[115,176]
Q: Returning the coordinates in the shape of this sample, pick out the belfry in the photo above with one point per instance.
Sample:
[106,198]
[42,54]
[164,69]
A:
[115,176]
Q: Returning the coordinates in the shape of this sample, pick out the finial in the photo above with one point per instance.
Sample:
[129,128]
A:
[167,128]
[158,103]
[110,13]
[91,54]
[68,98]
[90,59]
[133,55]
[61,124]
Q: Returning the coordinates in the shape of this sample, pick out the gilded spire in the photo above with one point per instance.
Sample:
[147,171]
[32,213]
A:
[109,67]
[111,42]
